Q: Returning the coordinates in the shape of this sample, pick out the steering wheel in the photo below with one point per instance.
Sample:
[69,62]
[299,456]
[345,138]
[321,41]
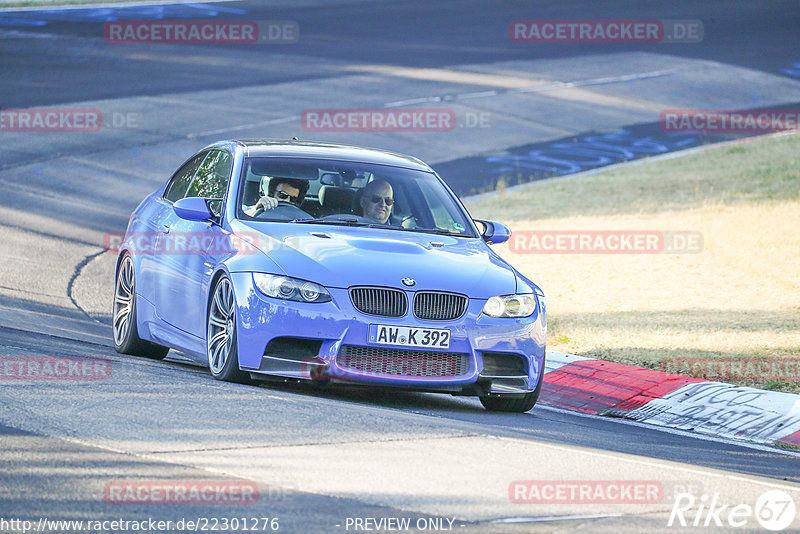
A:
[409,222]
[261,210]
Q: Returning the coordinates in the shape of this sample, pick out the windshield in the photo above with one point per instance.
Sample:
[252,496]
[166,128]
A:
[303,191]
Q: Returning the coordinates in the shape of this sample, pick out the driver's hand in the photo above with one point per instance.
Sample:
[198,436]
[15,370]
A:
[265,203]
[409,222]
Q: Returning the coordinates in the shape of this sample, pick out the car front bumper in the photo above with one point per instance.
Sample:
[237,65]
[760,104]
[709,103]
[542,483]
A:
[308,341]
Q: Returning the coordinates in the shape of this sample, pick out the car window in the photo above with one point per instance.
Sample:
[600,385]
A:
[179,183]
[445,214]
[211,179]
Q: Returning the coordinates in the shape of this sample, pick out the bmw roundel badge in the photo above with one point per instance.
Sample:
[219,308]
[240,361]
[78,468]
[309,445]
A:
[409,282]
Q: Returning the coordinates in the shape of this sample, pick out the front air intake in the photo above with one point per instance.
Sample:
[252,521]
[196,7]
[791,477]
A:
[379,301]
[439,306]
[403,362]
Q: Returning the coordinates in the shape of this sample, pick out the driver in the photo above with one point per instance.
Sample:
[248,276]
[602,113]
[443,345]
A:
[279,189]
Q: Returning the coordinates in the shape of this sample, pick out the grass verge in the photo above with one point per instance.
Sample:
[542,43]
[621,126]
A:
[725,313]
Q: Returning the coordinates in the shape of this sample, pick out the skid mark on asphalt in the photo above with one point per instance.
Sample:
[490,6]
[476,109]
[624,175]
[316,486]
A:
[75,274]
[555,89]
[540,86]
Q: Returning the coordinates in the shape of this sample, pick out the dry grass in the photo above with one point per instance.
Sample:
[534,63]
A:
[737,299]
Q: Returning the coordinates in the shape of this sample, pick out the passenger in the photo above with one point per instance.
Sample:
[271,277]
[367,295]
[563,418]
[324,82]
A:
[377,200]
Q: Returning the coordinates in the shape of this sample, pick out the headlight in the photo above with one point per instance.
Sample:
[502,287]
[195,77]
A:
[283,287]
[510,306]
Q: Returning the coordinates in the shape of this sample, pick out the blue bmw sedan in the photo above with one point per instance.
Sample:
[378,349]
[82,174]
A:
[283,260]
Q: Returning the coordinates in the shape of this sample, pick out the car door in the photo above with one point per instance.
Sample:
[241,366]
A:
[161,217]
[186,255]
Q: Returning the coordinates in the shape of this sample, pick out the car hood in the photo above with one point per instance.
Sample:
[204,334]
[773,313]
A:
[341,257]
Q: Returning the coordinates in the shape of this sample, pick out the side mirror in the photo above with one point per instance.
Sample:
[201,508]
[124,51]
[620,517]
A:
[192,209]
[493,232]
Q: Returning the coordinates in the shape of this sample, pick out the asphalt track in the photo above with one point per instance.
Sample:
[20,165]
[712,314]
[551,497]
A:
[320,457]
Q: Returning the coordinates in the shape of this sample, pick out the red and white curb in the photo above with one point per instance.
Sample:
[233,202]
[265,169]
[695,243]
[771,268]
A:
[674,401]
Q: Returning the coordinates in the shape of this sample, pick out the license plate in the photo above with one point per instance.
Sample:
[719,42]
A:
[381,334]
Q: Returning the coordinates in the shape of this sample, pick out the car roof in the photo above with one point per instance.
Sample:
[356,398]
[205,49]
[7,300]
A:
[306,149]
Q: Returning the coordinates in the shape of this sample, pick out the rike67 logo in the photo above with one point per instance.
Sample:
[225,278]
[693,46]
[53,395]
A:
[774,510]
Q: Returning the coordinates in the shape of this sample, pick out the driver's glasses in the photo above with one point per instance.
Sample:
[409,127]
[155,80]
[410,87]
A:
[283,195]
[375,199]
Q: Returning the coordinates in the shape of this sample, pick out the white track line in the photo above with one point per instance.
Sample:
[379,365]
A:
[674,431]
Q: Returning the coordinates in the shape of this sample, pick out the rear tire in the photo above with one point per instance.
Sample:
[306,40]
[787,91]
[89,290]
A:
[517,404]
[221,339]
[126,334]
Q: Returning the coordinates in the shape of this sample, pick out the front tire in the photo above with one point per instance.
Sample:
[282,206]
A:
[126,333]
[221,346]
[517,404]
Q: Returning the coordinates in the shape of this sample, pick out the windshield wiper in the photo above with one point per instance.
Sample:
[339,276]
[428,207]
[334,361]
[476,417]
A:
[437,231]
[355,222]
[341,222]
